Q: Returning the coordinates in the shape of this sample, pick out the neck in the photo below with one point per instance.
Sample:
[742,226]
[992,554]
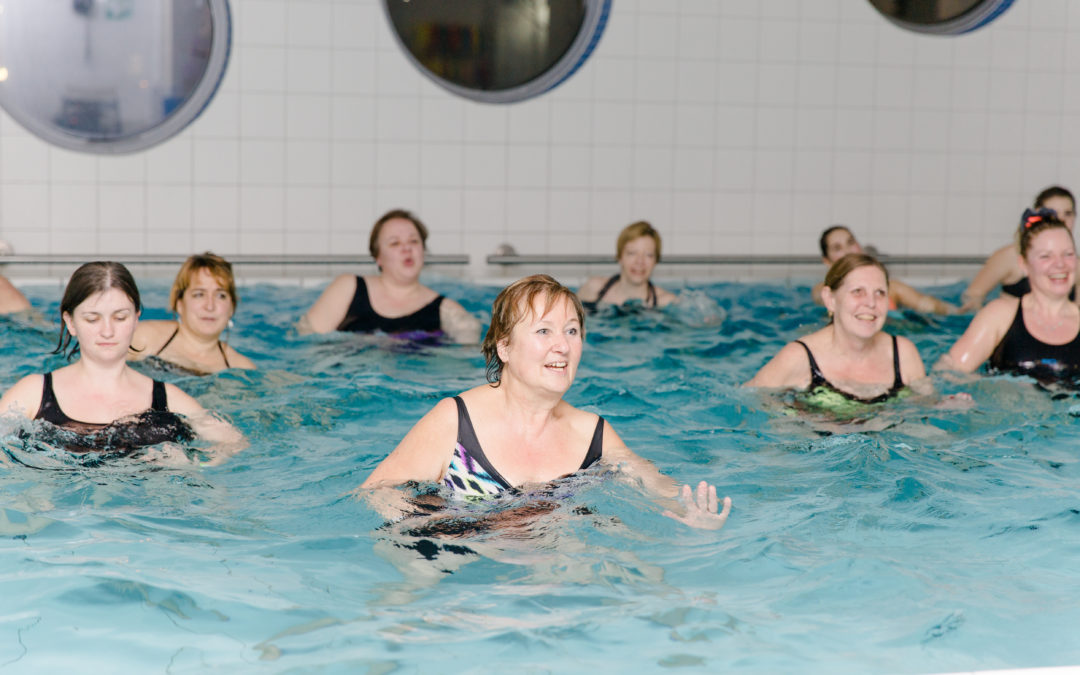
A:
[531,408]
[398,285]
[98,372]
[196,342]
[852,343]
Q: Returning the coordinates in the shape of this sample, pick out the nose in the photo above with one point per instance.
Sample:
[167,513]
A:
[107,327]
[561,343]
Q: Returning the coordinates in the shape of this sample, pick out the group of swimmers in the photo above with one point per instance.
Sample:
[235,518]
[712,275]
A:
[516,431]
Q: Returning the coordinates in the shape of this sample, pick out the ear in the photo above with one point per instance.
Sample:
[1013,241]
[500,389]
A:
[68,322]
[828,299]
[502,347]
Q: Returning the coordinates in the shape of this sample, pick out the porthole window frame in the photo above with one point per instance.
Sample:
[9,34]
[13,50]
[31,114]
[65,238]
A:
[184,114]
[975,18]
[597,13]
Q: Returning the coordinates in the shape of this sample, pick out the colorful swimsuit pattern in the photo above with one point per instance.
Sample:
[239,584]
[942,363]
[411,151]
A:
[825,394]
[471,474]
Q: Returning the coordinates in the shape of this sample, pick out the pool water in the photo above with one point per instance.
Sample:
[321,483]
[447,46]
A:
[910,540]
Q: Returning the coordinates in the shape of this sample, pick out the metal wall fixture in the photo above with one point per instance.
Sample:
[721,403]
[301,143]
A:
[497,51]
[110,76]
[941,17]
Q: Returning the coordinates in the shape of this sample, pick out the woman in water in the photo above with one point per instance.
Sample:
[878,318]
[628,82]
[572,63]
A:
[1037,334]
[99,403]
[1003,267]
[203,297]
[851,358]
[637,250]
[393,301]
[11,299]
[517,431]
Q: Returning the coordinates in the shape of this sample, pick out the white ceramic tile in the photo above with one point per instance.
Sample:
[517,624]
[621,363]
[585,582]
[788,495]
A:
[656,80]
[66,166]
[932,88]
[395,75]
[855,86]
[614,79]
[815,128]
[568,210]
[397,164]
[261,208]
[170,162]
[24,159]
[734,169]
[262,162]
[738,40]
[307,163]
[216,161]
[815,86]
[892,130]
[526,211]
[777,84]
[1044,93]
[817,43]
[929,172]
[776,128]
[1008,91]
[612,167]
[308,70]
[307,243]
[353,71]
[930,130]
[963,216]
[262,115]
[851,171]
[260,23]
[442,119]
[854,128]
[221,118]
[570,167]
[967,132]
[352,209]
[1003,172]
[612,123]
[891,172]
[222,243]
[488,123]
[697,36]
[28,242]
[973,51]
[609,211]
[1008,49]
[485,165]
[736,83]
[527,122]
[933,52]
[773,170]
[442,209]
[73,242]
[121,207]
[1070,133]
[779,42]
[215,208]
[262,243]
[893,87]
[485,210]
[307,116]
[352,118]
[695,125]
[354,25]
[653,206]
[262,69]
[168,208]
[395,197]
[350,243]
[811,213]
[121,243]
[307,210]
[653,168]
[691,212]
[1042,133]
[654,124]
[527,166]
[657,35]
[970,89]
[571,121]
[442,165]
[813,171]
[308,24]
[73,207]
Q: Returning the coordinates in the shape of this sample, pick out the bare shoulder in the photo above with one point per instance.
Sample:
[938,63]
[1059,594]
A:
[181,402]
[24,397]
[591,288]
[910,359]
[789,368]
[999,309]
[329,310]
[151,335]
[238,360]
[664,297]
[11,298]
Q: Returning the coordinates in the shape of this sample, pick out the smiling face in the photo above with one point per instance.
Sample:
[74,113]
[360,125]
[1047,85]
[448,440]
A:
[860,304]
[103,324]
[544,348]
[206,306]
[401,249]
[638,260]
[1050,261]
[838,244]
[1063,207]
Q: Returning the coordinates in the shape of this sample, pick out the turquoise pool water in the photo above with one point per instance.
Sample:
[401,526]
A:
[922,541]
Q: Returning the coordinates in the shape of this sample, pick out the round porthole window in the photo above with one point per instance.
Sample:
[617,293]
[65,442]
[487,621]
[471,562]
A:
[110,76]
[498,51]
[941,17]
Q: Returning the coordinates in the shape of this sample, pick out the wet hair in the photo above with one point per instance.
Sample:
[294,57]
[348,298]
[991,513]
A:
[1050,193]
[218,267]
[510,308]
[839,270]
[90,279]
[1034,223]
[823,242]
[376,229]
[633,231]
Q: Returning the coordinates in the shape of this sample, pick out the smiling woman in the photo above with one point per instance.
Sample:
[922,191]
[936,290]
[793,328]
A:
[854,360]
[638,251]
[98,403]
[516,433]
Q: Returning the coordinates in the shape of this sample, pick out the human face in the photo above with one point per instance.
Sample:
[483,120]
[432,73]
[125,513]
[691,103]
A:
[861,303]
[1051,262]
[1064,208]
[638,259]
[401,250]
[839,243]
[103,324]
[205,307]
[544,349]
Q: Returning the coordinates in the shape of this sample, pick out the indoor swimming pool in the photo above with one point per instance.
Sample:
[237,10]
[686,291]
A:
[903,539]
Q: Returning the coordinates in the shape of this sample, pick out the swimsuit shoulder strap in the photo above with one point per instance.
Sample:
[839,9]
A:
[898,380]
[651,299]
[221,348]
[596,447]
[160,399]
[607,287]
[817,378]
[466,438]
[49,410]
[168,342]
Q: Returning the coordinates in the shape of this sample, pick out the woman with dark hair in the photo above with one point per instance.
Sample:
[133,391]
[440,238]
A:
[1037,334]
[637,251]
[517,431]
[99,403]
[204,299]
[1003,266]
[851,358]
[393,301]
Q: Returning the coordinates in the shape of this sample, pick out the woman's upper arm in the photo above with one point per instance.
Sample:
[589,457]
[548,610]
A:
[590,289]
[996,268]
[329,310]
[24,397]
[456,322]
[424,453]
[789,368]
[146,339]
[238,360]
[981,337]
[912,367]
[206,425]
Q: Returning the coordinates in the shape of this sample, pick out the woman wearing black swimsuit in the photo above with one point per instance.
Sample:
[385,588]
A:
[1037,334]
[204,299]
[99,402]
[637,250]
[393,301]
[851,356]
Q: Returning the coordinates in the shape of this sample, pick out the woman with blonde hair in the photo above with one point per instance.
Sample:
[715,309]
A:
[638,251]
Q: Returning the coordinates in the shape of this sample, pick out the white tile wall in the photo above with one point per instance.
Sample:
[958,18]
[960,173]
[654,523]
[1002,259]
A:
[728,123]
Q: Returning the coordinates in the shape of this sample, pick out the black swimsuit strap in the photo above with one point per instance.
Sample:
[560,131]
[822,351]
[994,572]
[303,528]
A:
[898,380]
[221,348]
[160,399]
[596,447]
[168,342]
[466,437]
[606,287]
[650,300]
[817,378]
